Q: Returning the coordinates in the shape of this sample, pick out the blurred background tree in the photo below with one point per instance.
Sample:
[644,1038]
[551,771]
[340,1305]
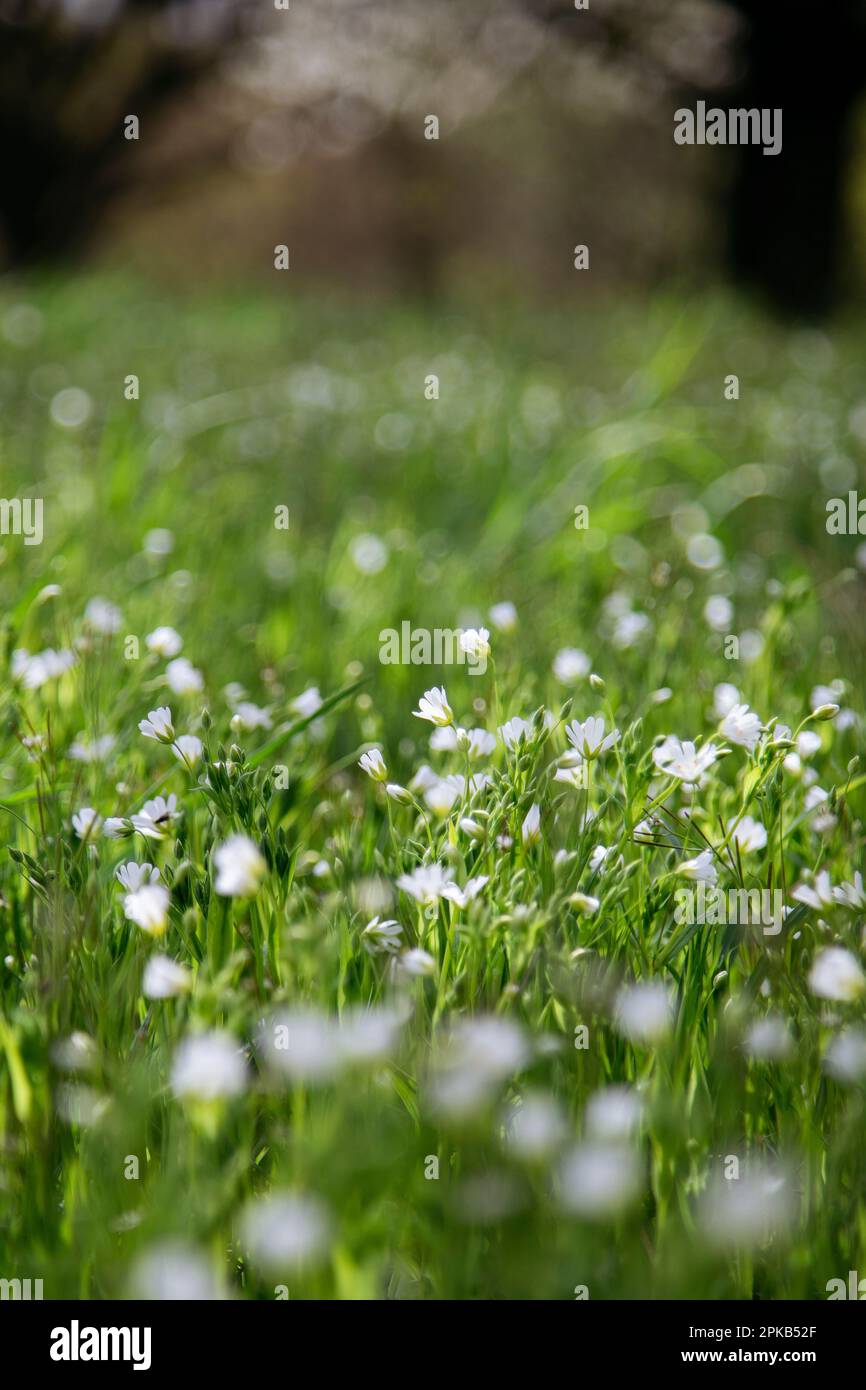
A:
[306,125]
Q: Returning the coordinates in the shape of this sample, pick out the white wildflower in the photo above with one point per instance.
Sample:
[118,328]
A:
[644,1012]
[570,665]
[701,869]
[165,978]
[208,1067]
[504,616]
[158,725]
[749,833]
[589,739]
[240,867]
[530,830]
[836,974]
[164,641]
[373,764]
[148,907]
[87,823]
[742,726]
[434,706]
[382,937]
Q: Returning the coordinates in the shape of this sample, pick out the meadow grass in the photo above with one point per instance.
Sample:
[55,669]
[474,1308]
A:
[538,1081]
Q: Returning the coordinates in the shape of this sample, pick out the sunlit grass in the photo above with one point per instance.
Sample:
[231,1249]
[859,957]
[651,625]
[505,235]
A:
[437,1108]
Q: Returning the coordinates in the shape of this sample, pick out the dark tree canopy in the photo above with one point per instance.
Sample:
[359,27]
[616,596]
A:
[72,70]
[69,74]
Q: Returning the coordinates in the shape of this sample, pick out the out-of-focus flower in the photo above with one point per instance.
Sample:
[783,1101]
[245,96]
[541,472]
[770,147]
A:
[368,1035]
[440,796]
[77,1053]
[475,642]
[808,743]
[748,833]
[598,1181]
[183,677]
[188,749]
[148,907]
[102,616]
[817,802]
[612,1115]
[725,697]
[818,895]
[382,937]
[629,628]
[415,963]
[208,1067]
[769,1039]
[158,541]
[719,612]
[240,867]
[644,1012]
[302,1044]
[851,894]
[480,1053]
[34,671]
[308,703]
[165,978]
[427,884]
[369,554]
[248,716]
[570,665]
[117,827]
[701,869]
[87,823]
[535,1128]
[836,974]
[584,903]
[96,751]
[286,1231]
[173,1271]
[746,1212]
[478,743]
[845,1058]
[504,616]
[164,641]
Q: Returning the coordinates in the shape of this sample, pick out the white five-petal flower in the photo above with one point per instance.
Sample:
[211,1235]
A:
[434,707]
[158,725]
[684,760]
[589,739]
[374,765]
[742,726]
